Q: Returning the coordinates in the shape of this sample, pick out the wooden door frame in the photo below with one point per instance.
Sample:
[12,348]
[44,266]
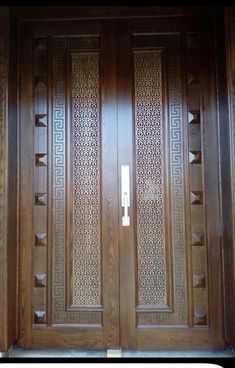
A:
[226,36]
[8,180]
[8,241]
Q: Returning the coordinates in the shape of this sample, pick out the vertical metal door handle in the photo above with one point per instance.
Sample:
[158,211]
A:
[125,181]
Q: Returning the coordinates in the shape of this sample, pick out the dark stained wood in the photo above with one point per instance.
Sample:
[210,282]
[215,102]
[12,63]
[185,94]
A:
[66,337]
[8,181]
[195,183]
[12,188]
[125,157]
[228,171]
[173,338]
[42,305]
[68,27]
[26,199]
[41,162]
[26,13]
[211,182]
[4,44]
[110,197]
[199,197]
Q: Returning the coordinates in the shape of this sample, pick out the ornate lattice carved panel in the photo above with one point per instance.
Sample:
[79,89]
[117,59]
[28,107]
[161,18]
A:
[86,179]
[61,234]
[149,179]
[175,245]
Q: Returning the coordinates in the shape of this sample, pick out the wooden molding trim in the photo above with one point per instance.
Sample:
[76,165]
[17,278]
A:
[35,13]
[3,177]
[230,54]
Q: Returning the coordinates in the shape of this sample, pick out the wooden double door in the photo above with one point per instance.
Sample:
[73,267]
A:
[119,185]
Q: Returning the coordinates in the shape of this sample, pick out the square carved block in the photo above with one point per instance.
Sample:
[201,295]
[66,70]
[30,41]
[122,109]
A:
[197,238]
[40,199]
[199,280]
[193,78]
[41,120]
[195,157]
[199,318]
[196,197]
[41,159]
[40,317]
[192,39]
[194,117]
[40,239]
[41,43]
[40,280]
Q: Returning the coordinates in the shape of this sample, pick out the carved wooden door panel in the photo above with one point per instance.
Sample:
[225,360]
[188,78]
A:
[170,278]
[97,95]
[69,230]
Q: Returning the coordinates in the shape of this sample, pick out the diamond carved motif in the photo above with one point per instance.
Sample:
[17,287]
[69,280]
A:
[39,317]
[194,117]
[41,44]
[196,197]
[41,120]
[40,280]
[197,238]
[195,157]
[41,159]
[193,78]
[200,318]
[40,199]
[199,280]
[192,39]
[40,239]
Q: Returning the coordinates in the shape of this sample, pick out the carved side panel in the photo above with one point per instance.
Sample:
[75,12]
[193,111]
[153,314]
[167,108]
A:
[197,231]
[151,242]
[175,190]
[86,179]
[39,242]
[85,231]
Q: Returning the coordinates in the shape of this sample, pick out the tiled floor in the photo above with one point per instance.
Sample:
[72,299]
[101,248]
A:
[18,352]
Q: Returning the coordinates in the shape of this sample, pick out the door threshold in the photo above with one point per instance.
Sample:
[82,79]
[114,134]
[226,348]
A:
[114,353]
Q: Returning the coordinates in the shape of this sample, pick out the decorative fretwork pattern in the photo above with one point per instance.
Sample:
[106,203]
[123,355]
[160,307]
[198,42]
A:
[86,179]
[149,179]
[176,188]
[60,210]
[89,42]
[58,179]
